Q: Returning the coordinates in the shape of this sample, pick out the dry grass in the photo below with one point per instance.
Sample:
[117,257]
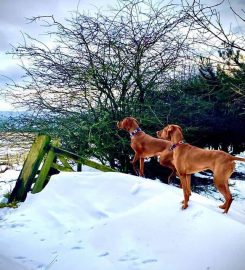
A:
[14,148]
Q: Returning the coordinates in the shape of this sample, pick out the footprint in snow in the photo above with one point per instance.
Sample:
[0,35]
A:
[197,214]
[19,257]
[128,257]
[135,188]
[104,254]
[100,214]
[149,261]
[76,248]
[41,266]
[16,225]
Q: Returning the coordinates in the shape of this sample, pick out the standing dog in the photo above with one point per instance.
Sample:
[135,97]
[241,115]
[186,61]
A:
[146,146]
[189,159]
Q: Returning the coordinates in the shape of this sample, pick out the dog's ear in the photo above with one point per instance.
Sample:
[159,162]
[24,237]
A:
[159,133]
[137,121]
[134,119]
[181,130]
[125,124]
[169,130]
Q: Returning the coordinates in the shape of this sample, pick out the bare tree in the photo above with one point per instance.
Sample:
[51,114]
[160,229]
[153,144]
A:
[105,60]
[210,27]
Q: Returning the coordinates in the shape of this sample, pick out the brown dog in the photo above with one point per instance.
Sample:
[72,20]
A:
[146,146]
[189,159]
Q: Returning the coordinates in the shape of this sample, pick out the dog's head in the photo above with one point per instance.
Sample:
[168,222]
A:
[128,124]
[166,133]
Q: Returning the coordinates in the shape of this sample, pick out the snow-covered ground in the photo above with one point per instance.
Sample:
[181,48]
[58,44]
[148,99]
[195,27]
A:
[113,221]
[14,147]
[7,181]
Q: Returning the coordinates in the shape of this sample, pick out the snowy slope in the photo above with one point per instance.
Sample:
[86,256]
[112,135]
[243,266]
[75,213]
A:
[113,221]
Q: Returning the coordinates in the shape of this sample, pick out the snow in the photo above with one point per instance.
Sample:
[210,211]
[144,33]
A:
[240,166]
[94,220]
[7,180]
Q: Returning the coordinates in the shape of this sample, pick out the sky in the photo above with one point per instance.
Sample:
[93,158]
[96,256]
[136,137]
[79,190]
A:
[13,23]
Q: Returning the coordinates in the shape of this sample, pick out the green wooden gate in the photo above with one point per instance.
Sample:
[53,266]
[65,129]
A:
[51,159]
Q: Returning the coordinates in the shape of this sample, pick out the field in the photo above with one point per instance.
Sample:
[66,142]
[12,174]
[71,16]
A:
[14,148]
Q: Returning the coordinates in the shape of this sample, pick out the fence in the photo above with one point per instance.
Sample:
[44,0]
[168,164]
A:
[52,159]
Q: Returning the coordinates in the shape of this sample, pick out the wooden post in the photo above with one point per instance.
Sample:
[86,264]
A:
[30,168]
[43,175]
[61,168]
[65,163]
[79,167]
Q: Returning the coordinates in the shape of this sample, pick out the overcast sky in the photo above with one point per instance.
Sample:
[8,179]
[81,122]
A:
[13,23]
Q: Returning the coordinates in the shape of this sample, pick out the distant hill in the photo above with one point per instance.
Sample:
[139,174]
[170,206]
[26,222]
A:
[6,114]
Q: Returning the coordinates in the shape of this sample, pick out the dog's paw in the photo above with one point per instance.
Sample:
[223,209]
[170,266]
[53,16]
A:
[184,206]
[223,206]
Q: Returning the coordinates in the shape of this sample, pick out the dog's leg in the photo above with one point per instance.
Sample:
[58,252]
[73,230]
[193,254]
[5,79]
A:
[169,178]
[142,164]
[229,198]
[188,187]
[221,177]
[168,164]
[133,162]
[225,191]
[185,190]
[174,172]
[223,188]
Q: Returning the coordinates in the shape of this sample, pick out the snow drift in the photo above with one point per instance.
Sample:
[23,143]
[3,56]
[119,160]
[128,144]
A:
[114,221]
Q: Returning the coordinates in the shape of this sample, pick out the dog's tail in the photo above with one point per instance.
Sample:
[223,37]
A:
[239,158]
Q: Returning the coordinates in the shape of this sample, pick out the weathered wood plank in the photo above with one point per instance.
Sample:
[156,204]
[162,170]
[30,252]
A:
[30,168]
[96,165]
[61,168]
[82,160]
[65,162]
[79,167]
[43,175]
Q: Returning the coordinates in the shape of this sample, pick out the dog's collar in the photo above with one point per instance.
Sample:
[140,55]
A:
[133,133]
[176,144]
